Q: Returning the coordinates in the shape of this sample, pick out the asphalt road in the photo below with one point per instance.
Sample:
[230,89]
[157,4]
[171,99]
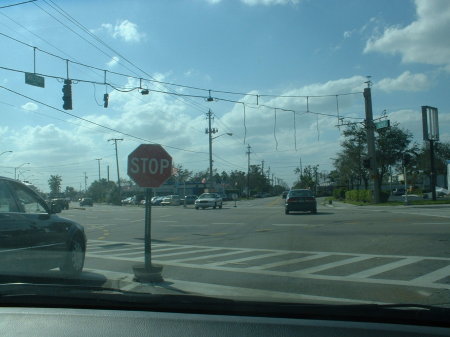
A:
[351,254]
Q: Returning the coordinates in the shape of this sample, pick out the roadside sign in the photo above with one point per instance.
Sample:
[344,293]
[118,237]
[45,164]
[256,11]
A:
[149,165]
[35,80]
[382,124]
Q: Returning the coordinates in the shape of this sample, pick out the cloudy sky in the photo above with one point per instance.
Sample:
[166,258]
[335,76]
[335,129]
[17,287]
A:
[280,73]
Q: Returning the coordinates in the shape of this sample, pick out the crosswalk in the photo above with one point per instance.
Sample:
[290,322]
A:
[410,271]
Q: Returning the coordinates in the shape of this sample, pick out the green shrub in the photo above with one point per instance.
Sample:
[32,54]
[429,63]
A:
[384,196]
[339,193]
[359,195]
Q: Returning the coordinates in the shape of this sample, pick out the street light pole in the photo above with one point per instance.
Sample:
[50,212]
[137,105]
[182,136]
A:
[210,131]
[18,167]
[98,160]
[5,152]
[117,163]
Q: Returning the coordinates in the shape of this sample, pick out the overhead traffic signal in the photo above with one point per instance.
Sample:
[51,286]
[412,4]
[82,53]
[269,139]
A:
[105,100]
[67,95]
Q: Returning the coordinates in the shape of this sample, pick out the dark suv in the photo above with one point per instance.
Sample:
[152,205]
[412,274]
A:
[32,237]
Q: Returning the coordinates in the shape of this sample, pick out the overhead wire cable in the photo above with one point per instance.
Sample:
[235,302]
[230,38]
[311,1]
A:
[97,124]
[82,27]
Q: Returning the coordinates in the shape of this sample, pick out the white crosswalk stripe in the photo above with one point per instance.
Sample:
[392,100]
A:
[430,272]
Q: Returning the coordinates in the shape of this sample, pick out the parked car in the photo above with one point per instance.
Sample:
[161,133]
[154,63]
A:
[171,200]
[398,191]
[206,200]
[284,194]
[300,200]
[190,199]
[129,201]
[33,237]
[156,201]
[86,202]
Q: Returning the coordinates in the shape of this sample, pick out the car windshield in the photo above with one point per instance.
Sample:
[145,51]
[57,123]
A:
[300,193]
[207,195]
[117,114]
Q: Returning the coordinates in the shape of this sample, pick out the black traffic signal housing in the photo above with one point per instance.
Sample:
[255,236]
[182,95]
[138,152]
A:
[105,100]
[67,95]
[366,163]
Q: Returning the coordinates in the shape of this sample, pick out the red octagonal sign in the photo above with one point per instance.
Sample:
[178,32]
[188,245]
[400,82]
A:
[149,165]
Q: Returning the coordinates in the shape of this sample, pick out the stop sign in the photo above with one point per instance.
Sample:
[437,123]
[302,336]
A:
[149,165]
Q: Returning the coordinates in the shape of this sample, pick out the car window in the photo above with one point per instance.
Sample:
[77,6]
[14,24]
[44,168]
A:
[315,133]
[29,201]
[7,201]
[300,193]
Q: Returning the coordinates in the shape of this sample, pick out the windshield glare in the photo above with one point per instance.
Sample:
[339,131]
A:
[316,135]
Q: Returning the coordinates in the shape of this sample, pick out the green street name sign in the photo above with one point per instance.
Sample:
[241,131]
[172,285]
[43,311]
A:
[36,80]
[382,124]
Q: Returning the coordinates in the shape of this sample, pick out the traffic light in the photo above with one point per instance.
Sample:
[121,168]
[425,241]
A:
[366,163]
[67,95]
[105,100]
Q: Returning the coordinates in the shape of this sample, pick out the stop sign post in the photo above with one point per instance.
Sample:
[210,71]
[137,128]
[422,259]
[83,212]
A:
[149,165]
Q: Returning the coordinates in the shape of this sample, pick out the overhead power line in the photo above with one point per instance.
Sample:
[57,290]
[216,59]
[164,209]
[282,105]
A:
[17,4]
[152,80]
[96,38]
[97,124]
[129,89]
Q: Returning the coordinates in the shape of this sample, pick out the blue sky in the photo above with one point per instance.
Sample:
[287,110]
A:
[252,47]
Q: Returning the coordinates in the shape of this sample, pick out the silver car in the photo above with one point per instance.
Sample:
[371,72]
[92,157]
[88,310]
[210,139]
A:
[206,200]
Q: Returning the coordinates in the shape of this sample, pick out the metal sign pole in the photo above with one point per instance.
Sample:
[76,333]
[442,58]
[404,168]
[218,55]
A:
[148,229]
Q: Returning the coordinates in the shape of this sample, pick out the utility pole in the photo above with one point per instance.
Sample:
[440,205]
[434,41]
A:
[248,171]
[210,132]
[117,163]
[107,172]
[371,142]
[85,182]
[98,160]
[262,167]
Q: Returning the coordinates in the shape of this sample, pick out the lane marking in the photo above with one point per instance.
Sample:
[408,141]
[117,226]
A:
[228,223]
[330,265]
[209,289]
[245,259]
[189,252]
[386,267]
[208,256]
[278,250]
[290,261]
[218,267]
[434,275]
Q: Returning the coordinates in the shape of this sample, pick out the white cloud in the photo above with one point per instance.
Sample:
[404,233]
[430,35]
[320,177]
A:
[30,106]
[423,41]
[114,60]
[125,30]
[404,82]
